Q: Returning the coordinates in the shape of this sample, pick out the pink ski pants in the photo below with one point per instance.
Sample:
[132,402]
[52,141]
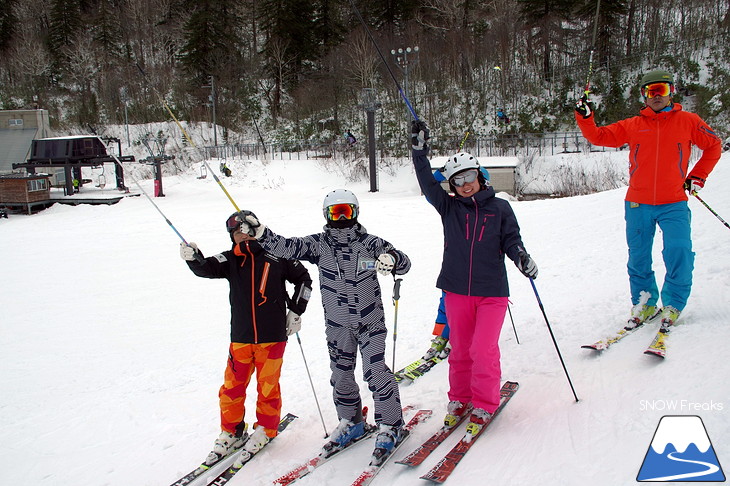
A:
[474,369]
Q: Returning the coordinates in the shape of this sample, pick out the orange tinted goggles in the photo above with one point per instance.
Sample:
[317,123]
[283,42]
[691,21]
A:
[341,211]
[656,89]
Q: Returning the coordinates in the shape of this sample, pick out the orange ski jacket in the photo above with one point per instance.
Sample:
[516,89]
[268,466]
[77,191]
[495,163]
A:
[660,145]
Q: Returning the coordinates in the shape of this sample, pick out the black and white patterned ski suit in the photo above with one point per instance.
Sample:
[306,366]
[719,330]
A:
[353,311]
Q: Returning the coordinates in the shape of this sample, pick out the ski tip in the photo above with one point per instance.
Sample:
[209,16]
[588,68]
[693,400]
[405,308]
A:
[655,354]
[433,479]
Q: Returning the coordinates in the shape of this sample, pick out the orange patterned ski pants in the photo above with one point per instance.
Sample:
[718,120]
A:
[243,358]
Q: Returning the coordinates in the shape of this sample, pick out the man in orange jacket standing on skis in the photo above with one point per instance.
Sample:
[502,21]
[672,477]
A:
[660,141]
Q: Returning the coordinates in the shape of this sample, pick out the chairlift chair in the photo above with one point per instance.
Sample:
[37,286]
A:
[203,172]
[101,183]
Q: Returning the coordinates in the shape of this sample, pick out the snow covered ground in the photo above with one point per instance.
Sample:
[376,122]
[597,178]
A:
[112,351]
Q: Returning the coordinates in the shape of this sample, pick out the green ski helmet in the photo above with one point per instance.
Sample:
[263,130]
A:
[657,76]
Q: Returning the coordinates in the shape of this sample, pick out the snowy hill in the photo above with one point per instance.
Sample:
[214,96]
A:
[112,351]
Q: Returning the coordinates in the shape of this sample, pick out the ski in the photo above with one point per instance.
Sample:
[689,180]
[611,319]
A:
[658,346]
[328,453]
[246,456]
[372,470]
[418,368]
[607,342]
[309,466]
[431,444]
[203,468]
[441,471]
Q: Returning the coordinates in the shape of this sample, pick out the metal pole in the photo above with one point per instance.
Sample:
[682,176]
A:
[370,105]
[312,384]
[396,298]
[212,100]
[371,151]
[694,193]
[539,302]
[513,323]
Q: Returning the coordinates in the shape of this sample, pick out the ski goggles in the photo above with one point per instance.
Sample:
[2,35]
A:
[657,89]
[465,177]
[341,211]
[233,223]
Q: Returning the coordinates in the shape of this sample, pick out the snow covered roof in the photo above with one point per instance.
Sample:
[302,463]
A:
[488,162]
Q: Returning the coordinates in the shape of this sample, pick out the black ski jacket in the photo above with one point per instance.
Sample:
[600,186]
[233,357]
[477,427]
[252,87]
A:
[478,232]
[258,295]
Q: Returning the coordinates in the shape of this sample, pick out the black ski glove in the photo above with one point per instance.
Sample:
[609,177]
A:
[584,107]
[526,264]
[419,135]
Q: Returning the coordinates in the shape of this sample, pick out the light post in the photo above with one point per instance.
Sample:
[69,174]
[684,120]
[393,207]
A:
[125,100]
[401,59]
[211,99]
[370,104]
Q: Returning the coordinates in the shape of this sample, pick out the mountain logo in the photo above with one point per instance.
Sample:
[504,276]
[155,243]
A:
[681,451]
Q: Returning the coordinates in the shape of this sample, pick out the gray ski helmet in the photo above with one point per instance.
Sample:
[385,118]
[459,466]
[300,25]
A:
[656,76]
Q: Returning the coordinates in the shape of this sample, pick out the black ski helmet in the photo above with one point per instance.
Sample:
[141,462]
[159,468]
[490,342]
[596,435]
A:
[234,222]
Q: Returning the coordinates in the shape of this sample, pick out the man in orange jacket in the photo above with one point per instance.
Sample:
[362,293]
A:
[660,141]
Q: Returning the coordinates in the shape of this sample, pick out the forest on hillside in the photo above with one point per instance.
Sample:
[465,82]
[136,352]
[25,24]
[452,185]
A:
[299,69]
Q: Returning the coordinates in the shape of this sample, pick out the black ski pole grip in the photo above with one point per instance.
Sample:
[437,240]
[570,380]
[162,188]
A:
[396,289]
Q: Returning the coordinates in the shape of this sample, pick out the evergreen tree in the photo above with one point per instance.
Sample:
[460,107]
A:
[392,13]
[8,20]
[290,43]
[107,33]
[609,19]
[545,18]
[65,24]
[211,42]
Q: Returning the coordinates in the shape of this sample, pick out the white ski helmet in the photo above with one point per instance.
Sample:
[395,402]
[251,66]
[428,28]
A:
[459,162]
[339,196]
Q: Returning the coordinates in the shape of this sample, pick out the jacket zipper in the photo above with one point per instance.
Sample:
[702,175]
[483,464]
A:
[481,232]
[262,287]
[656,158]
[253,295]
[471,248]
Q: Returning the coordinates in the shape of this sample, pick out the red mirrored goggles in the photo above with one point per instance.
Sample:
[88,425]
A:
[657,89]
[233,223]
[341,211]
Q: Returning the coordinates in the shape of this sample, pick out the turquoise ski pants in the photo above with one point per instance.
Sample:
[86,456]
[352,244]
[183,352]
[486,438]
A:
[674,221]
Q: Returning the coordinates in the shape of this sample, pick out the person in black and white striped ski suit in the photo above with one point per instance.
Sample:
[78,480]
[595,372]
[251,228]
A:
[349,259]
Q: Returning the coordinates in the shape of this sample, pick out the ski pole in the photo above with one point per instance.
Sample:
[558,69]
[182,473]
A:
[167,107]
[390,71]
[220,184]
[321,417]
[396,298]
[593,48]
[509,309]
[694,193]
[463,140]
[198,256]
[532,281]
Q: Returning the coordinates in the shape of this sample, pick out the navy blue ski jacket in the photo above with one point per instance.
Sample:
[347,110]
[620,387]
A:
[478,232]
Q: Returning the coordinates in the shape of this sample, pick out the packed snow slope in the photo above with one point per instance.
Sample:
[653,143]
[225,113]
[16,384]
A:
[112,352]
